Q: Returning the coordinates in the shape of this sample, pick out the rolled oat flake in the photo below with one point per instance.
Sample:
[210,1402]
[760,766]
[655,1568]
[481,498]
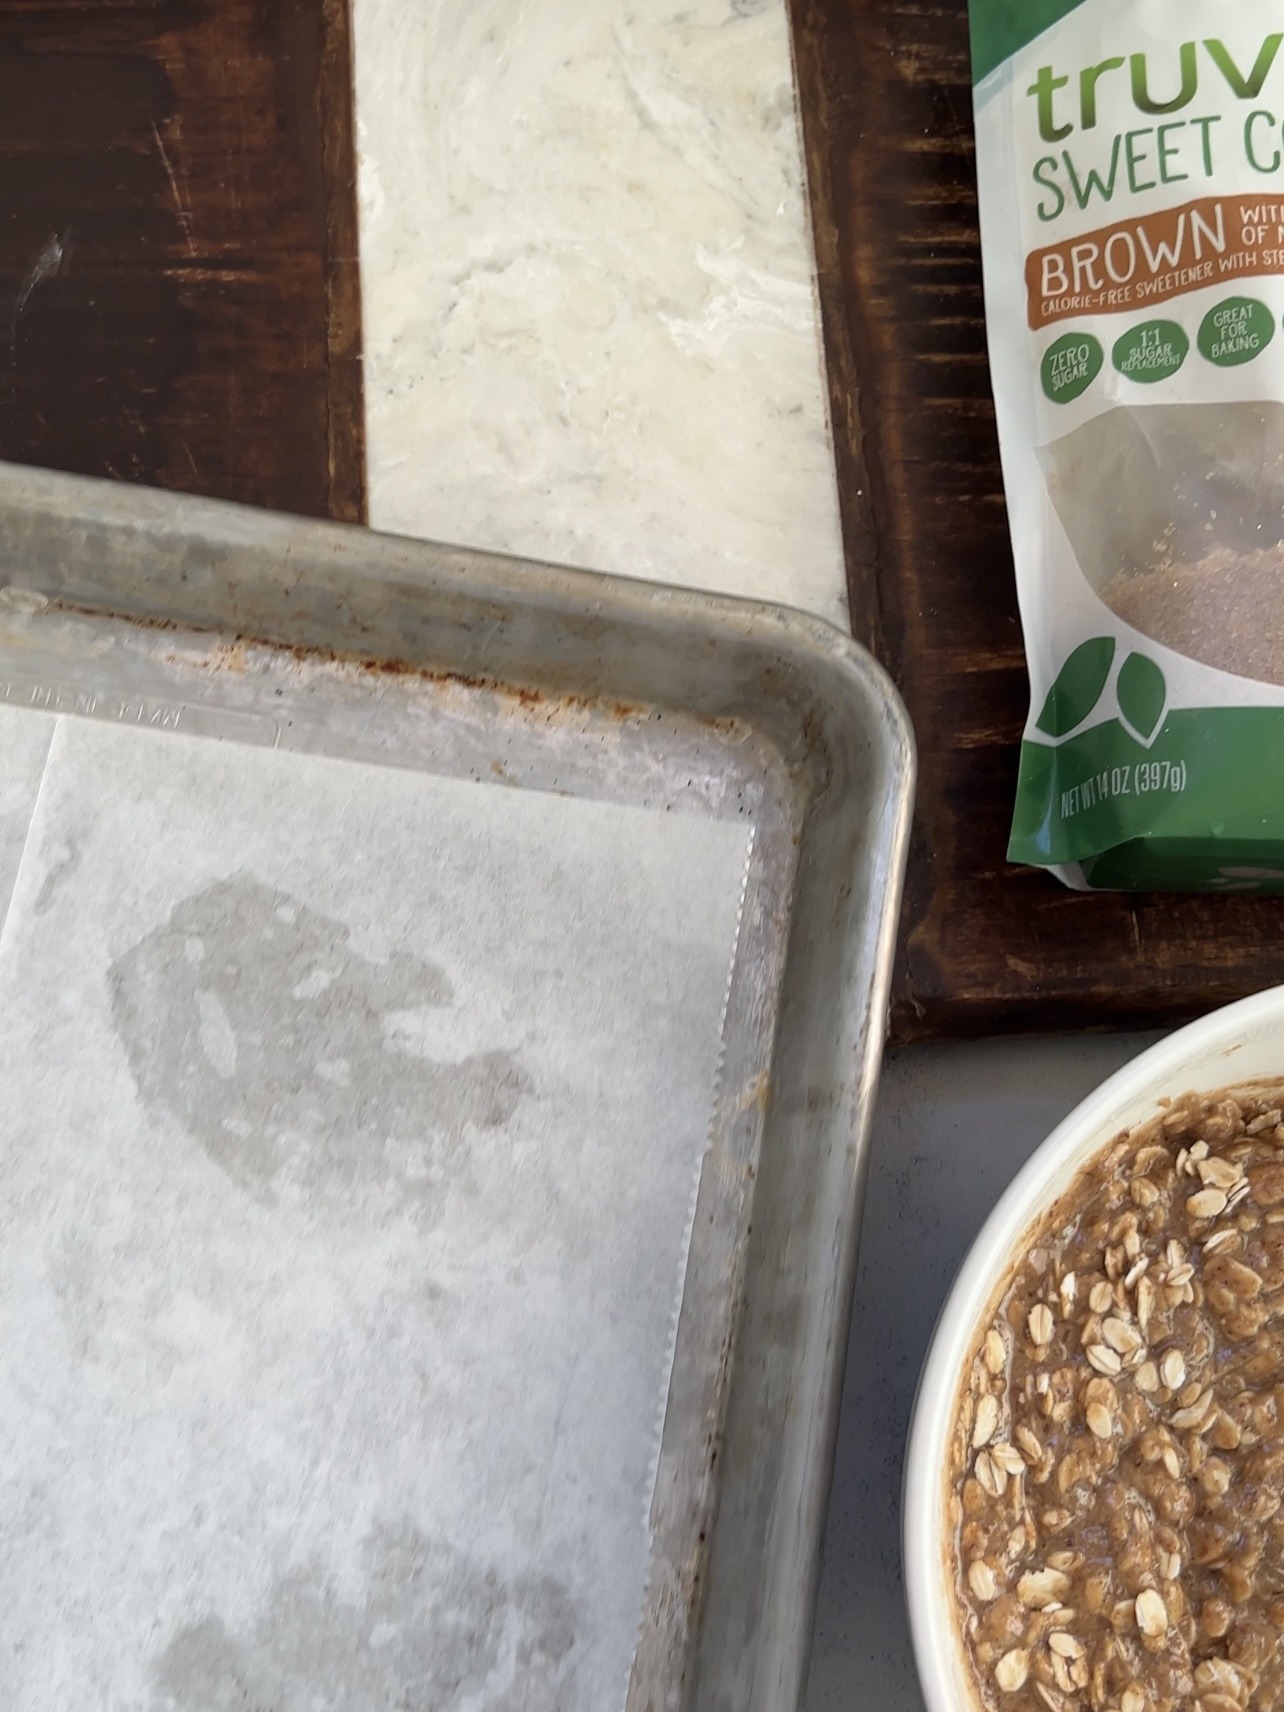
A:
[1131,164]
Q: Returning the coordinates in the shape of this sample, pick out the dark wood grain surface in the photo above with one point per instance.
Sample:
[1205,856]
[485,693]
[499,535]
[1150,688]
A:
[886,99]
[179,300]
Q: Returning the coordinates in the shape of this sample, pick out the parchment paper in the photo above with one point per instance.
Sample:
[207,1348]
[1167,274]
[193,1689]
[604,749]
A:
[24,745]
[350,1122]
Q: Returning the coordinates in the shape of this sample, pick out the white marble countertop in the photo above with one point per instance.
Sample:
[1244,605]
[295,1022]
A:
[592,336]
[590,322]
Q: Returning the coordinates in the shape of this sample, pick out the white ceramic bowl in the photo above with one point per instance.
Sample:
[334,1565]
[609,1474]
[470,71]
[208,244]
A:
[1233,1046]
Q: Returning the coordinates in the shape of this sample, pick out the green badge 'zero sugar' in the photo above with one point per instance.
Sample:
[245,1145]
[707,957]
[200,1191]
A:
[1070,365]
[1130,155]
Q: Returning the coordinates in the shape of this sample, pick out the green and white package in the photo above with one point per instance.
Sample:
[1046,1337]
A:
[1131,164]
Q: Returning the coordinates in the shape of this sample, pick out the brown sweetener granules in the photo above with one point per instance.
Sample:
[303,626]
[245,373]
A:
[1226,609]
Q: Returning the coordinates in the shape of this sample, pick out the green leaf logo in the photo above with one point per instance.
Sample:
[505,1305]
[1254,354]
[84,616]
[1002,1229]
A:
[1078,686]
[1142,694]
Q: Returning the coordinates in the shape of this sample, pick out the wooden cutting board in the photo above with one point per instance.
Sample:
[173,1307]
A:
[179,299]
[985,947]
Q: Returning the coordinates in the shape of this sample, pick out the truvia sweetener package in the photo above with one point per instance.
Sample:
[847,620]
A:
[1131,163]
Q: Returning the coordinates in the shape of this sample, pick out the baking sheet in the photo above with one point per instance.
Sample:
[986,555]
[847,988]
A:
[140,609]
[352,1126]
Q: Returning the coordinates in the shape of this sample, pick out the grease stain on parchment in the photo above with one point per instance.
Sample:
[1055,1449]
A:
[291,1057]
[436,1631]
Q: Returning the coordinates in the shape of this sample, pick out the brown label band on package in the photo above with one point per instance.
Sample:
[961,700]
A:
[1154,257]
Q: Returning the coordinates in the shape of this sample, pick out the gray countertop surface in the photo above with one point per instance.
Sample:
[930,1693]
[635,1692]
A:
[953,1124]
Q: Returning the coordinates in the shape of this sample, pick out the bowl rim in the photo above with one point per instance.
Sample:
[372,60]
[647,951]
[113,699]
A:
[1124,1099]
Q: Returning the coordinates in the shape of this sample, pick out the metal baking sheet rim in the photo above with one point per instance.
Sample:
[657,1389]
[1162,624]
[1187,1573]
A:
[543,677]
